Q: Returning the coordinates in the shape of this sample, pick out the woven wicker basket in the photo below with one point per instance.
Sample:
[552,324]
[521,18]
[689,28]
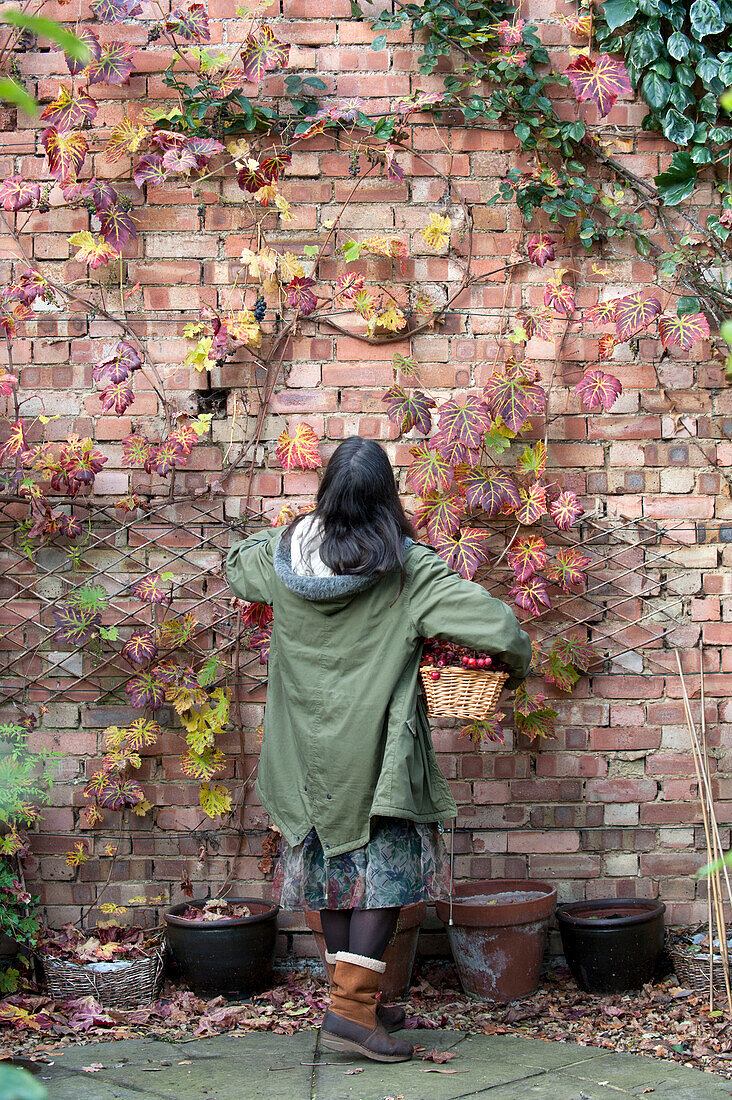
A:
[462,692]
[692,970]
[137,982]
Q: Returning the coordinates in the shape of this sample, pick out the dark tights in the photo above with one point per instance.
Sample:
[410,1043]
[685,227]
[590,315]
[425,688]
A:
[360,931]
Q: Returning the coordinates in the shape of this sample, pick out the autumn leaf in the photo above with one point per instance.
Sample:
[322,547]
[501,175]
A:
[437,232]
[541,723]
[93,251]
[263,54]
[75,623]
[125,138]
[439,514]
[151,588]
[299,451]
[409,411]
[540,249]
[465,420]
[140,648]
[17,194]
[532,459]
[428,472]
[214,800]
[199,357]
[601,314]
[15,445]
[391,320]
[599,389]
[113,66]
[117,397]
[77,855]
[65,153]
[117,226]
[635,312]
[150,169]
[567,568]
[527,556]
[493,491]
[146,690]
[565,509]
[300,295]
[190,24]
[101,194]
[574,650]
[465,551]
[532,594]
[559,296]
[514,399]
[600,81]
[683,331]
[69,111]
[532,503]
[142,733]
[115,11]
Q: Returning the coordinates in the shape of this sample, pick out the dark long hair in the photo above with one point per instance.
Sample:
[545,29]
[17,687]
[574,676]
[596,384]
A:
[362,516]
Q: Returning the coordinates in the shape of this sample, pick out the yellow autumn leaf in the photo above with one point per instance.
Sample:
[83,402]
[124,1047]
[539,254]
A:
[93,251]
[239,150]
[142,807]
[436,233]
[193,330]
[284,208]
[198,357]
[391,319]
[290,267]
[215,800]
[244,326]
[267,194]
[262,264]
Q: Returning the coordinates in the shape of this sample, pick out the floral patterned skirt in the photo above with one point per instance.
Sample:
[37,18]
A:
[402,863]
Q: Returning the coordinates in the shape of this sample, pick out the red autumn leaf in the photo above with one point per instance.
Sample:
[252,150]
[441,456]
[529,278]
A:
[146,690]
[69,111]
[81,461]
[115,11]
[263,54]
[556,672]
[540,249]
[527,556]
[190,24]
[168,455]
[180,159]
[117,227]
[465,420]
[539,724]
[75,65]
[110,370]
[494,491]
[75,623]
[533,504]
[568,568]
[606,345]
[136,450]
[117,397]
[300,296]
[113,66]
[274,165]
[428,471]
[465,551]
[574,650]
[598,388]
[65,152]
[683,332]
[348,284]
[409,410]
[299,451]
[251,177]
[17,194]
[514,399]
[203,149]
[452,450]
[233,80]
[565,509]
[601,81]
[256,614]
[150,169]
[532,594]
[440,515]
[102,194]
[8,382]
[150,589]
[635,313]
[184,437]
[93,251]
[140,648]
[559,296]
[535,322]
[117,793]
[601,314]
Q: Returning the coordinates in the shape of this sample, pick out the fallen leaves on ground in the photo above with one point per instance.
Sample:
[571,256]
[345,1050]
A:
[662,1020]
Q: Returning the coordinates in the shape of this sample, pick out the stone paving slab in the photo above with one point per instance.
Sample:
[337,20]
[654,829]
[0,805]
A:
[263,1066]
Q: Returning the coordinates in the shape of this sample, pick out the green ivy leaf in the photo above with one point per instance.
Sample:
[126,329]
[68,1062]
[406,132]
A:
[706,18]
[679,129]
[379,42]
[677,182]
[655,90]
[687,304]
[619,12]
[678,46]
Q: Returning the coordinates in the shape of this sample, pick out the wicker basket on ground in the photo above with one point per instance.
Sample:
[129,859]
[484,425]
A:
[462,692]
[115,984]
[691,961]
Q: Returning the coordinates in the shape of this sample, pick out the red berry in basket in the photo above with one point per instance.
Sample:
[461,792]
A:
[434,674]
[441,662]
[472,662]
[465,661]
[488,662]
[480,662]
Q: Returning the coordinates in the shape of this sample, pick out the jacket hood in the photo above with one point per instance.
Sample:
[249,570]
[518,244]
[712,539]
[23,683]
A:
[333,592]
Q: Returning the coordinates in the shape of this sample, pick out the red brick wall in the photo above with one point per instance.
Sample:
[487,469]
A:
[607,808]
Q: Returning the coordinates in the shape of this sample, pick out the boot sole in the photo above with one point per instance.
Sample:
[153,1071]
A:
[347,1046]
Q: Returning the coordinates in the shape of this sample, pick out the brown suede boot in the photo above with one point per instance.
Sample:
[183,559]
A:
[392,1017]
[351,1025]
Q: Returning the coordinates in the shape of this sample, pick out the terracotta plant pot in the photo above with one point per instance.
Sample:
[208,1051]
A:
[399,955]
[613,944]
[224,956]
[498,945]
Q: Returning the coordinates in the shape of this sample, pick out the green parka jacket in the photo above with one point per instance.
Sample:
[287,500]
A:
[346,734]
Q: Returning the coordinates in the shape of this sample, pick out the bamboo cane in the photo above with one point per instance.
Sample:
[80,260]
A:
[706,768]
[714,878]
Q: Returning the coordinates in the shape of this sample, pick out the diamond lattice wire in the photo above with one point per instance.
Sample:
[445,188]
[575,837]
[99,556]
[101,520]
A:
[635,599]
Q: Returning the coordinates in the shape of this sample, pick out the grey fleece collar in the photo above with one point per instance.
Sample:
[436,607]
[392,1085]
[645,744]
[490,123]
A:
[320,588]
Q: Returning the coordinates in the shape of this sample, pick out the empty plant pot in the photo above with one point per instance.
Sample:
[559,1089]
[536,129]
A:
[498,935]
[399,957]
[224,956]
[613,944]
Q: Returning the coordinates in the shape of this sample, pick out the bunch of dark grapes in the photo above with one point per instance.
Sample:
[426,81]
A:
[439,654]
[353,164]
[260,308]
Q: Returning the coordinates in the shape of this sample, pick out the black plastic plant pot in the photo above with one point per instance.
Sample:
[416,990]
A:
[224,956]
[612,945]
